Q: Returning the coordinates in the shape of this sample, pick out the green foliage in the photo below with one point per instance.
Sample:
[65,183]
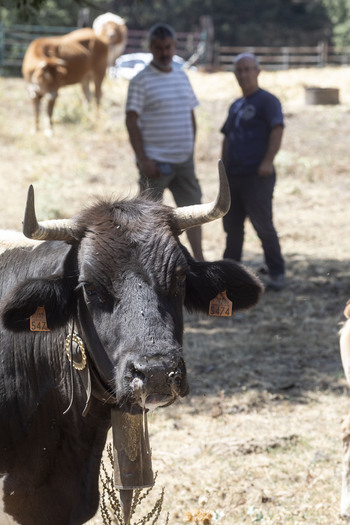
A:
[339,13]
[42,12]
[110,506]
[242,22]
[24,4]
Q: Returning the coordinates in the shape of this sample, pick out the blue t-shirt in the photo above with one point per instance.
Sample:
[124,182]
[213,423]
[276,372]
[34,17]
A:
[247,128]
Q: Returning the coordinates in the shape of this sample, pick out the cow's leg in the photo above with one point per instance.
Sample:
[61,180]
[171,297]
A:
[85,84]
[98,79]
[345,357]
[36,106]
[345,349]
[345,493]
[50,105]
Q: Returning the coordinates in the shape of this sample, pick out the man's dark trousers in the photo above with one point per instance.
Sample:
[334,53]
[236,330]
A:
[251,196]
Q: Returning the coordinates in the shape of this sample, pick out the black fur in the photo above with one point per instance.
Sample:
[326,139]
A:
[124,281]
[206,279]
[55,294]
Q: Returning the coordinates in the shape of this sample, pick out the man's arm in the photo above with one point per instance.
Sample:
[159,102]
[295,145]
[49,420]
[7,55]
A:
[274,144]
[147,166]
[194,124]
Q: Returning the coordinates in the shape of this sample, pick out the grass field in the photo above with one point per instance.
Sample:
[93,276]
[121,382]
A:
[258,438]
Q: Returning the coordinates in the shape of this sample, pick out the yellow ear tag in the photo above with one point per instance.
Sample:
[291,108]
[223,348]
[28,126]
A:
[38,322]
[220,306]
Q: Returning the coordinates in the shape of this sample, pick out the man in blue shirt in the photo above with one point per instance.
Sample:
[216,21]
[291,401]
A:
[252,137]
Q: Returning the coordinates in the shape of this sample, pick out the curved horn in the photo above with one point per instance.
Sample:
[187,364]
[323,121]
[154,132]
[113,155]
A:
[189,216]
[56,230]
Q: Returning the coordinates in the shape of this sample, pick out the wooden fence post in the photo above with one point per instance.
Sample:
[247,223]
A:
[2,46]
[322,54]
[83,17]
[207,26]
[285,53]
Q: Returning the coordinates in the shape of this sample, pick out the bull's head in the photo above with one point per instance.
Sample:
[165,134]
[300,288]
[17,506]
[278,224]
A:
[124,282]
[186,217]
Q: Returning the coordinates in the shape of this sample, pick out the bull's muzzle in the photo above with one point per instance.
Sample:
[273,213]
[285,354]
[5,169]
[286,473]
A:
[154,385]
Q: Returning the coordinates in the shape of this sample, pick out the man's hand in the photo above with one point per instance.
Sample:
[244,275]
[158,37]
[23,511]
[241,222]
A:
[149,169]
[265,169]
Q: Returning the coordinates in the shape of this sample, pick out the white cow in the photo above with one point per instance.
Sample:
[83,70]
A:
[113,29]
[345,357]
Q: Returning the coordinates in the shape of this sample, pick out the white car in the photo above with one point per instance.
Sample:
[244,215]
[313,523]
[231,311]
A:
[127,66]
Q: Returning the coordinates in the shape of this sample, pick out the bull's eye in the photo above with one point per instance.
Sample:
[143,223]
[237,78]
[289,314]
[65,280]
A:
[180,279]
[92,294]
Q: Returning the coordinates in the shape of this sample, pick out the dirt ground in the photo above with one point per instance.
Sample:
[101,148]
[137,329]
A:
[258,438]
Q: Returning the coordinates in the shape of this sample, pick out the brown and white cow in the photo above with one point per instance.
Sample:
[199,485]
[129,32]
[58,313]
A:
[113,29]
[53,62]
[345,358]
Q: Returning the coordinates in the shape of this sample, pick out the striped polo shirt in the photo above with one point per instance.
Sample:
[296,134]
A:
[163,102]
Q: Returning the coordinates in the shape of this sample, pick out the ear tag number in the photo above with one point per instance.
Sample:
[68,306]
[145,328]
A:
[220,306]
[38,322]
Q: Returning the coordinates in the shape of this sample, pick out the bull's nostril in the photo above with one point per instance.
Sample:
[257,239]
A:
[135,373]
[137,385]
[137,382]
[175,378]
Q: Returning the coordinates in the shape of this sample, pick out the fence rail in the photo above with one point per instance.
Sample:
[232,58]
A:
[283,57]
[187,43]
[15,40]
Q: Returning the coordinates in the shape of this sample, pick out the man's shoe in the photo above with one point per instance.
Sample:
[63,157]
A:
[276,282]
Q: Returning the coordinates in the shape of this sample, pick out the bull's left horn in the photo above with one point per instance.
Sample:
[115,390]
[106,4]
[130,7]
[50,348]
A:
[189,216]
[55,230]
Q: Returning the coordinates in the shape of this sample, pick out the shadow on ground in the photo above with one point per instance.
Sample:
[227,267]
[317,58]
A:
[284,348]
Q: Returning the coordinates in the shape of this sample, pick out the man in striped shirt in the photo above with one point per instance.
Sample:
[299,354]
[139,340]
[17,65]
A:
[161,125]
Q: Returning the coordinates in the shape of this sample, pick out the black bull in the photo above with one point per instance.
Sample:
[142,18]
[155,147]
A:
[119,280]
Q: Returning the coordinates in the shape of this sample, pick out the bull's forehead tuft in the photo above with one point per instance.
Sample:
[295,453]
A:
[134,215]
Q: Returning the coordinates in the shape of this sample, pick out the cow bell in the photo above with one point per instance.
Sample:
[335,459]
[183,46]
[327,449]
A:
[132,456]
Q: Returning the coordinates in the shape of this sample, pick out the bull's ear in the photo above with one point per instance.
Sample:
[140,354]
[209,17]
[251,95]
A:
[206,279]
[56,294]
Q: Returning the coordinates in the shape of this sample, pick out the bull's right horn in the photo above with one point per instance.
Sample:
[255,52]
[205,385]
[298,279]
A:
[55,230]
[189,216]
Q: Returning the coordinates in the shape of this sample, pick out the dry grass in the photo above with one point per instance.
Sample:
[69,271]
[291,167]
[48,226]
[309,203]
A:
[258,439]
